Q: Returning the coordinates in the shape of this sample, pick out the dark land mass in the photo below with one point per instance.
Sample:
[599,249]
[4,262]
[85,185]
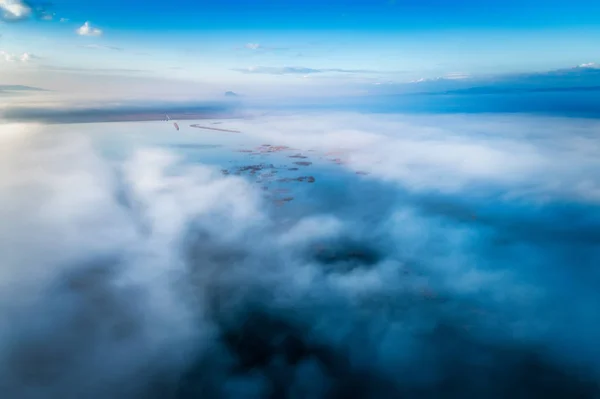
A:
[300,156]
[507,90]
[121,114]
[19,88]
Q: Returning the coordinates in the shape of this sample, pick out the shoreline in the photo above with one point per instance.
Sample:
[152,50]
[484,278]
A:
[197,126]
[74,119]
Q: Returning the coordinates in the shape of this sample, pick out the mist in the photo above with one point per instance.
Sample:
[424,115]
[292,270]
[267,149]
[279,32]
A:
[463,265]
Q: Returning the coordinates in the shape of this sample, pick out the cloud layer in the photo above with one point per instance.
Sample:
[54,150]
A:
[149,276]
[293,70]
[452,153]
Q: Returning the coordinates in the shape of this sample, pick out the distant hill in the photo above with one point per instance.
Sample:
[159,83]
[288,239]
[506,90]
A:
[19,88]
[580,78]
[231,94]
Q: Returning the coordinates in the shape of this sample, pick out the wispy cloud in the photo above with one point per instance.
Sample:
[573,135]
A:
[448,76]
[14,10]
[64,20]
[255,47]
[91,70]
[101,47]
[88,30]
[46,16]
[457,75]
[294,70]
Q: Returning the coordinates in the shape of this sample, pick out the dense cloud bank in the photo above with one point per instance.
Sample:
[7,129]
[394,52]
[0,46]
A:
[539,158]
[156,278]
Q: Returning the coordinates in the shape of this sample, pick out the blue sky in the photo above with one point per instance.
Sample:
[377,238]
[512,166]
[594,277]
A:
[301,46]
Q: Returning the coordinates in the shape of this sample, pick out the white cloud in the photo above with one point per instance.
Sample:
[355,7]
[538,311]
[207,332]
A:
[87,30]
[7,56]
[14,10]
[24,57]
[64,20]
[253,46]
